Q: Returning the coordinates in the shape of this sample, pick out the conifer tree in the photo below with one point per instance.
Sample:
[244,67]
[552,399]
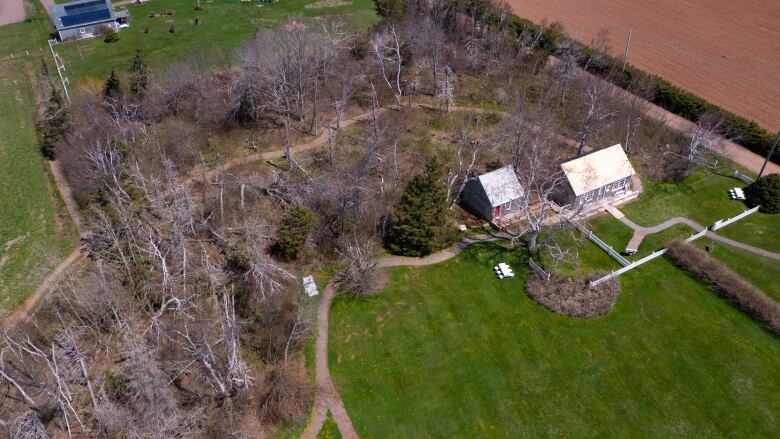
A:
[418,225]
[139,80]
[112,88]
[55,123]
[296,226]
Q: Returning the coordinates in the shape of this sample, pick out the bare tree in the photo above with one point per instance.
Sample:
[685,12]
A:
[595,110]
[387,49]
[359,276]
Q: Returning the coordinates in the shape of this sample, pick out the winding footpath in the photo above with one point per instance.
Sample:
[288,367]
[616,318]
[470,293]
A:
[326,397]
[641,231]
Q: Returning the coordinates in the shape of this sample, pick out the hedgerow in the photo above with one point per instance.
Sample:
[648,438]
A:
[663,93]
[729,284]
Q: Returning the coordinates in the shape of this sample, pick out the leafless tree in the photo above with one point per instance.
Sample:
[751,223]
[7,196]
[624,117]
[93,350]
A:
[595,110]
[360,274]
[386,46]
[446,94]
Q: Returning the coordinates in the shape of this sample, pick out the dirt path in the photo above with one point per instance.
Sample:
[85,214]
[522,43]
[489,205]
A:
[326,397]
[11,11]
[22,313]
[731,150]
[640,232]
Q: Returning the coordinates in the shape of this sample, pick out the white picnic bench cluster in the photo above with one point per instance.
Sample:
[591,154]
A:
[503,270]
[736,194]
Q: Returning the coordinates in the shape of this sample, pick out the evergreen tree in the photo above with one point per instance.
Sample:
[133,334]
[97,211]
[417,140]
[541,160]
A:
[112,88]
[295,229]
[55,124]
[139,81]
[418,225]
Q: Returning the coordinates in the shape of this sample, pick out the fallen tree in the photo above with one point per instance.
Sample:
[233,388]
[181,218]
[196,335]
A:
[729,284]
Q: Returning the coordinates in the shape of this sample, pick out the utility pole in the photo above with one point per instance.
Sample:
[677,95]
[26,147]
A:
[768,156]
[625,55]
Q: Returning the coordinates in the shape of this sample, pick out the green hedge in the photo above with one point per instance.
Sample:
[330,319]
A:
[663,93]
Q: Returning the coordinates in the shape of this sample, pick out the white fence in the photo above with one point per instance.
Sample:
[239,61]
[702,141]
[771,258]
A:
[724,222]
[743,177]
[539,270]
[639,262]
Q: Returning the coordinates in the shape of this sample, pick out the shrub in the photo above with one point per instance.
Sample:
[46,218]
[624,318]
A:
[146,29]
[172,29]
[765,192]
[360,49]
[198,7]
[391,10]
[110,35]
[293,232]
[729,284]
[574,298]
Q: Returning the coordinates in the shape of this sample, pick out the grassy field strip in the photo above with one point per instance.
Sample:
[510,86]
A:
[35,229]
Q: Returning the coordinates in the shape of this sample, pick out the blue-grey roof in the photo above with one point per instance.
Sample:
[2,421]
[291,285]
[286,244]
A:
[501,186]
[82,13]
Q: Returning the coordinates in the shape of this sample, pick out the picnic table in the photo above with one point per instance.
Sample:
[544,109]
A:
[503,270]
[736,194]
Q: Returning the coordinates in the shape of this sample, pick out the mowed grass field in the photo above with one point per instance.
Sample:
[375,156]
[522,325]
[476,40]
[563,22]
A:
[35,229]
[223,26]
[450,351]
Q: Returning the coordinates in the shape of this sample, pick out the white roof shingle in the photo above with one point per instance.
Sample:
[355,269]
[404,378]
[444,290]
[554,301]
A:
[501,185]
[596,169]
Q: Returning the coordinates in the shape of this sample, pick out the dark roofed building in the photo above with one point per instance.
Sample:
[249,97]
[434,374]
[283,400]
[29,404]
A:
[86,18]
[496,196]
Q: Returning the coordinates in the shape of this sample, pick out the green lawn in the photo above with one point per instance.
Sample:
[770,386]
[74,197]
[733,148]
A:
[762,272]
[759,230]
[30,35]
[224,24]
[611,231]
[657,241]
[450,351]
[35,229]
[702,197]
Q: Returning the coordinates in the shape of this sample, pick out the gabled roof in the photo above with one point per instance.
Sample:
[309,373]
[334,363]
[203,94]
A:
[501,185]
[597,168]
[82,13]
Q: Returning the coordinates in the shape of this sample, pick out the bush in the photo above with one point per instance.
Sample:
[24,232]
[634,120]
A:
[360,49]
[729,284]
[295,229]
[172,29]
[574,298]
[391,10]
[110,35]
[765,192]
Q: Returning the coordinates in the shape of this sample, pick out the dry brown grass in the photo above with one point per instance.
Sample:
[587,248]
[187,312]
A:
[573,297]
[729,284]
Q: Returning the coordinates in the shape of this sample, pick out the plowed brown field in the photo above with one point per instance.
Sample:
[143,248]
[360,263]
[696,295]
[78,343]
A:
[727,51]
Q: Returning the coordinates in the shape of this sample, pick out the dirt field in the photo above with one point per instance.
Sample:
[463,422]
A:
[11,11]
[724,50]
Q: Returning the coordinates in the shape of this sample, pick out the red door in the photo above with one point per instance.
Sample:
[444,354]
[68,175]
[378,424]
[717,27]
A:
[497,212]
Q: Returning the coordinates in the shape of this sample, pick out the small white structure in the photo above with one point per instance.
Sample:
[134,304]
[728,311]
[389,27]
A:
[737,194]
[495,196]
[503,270]
[595,176]
[309,286]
